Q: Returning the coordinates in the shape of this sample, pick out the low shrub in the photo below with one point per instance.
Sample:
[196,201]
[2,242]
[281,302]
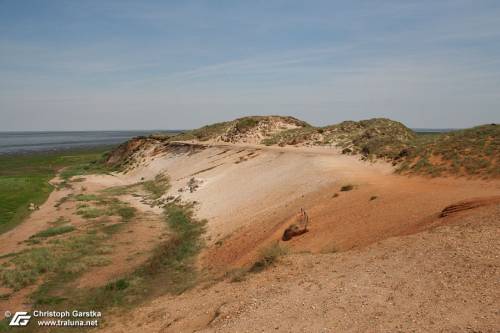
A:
[268,257]
[346,188]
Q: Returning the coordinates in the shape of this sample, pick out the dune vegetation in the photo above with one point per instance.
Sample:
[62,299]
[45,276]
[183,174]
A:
[469,152]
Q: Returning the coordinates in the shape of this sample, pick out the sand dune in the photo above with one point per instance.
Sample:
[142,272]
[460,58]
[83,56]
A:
[250,193]
[364,268]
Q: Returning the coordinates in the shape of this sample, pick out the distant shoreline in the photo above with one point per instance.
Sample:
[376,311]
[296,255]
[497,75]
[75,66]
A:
[59,150]
[46,142]
[15,143]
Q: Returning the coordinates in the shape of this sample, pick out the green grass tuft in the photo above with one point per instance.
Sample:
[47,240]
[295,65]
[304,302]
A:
[90,212]
[120,284]
[86,197]
[157,187]
[268,257]
[126,213]
[54,231]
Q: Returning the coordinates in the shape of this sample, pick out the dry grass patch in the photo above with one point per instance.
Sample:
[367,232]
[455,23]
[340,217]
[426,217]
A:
[268,256]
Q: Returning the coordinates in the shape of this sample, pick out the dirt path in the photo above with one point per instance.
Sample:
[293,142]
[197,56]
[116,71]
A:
[128,247]
[12,240]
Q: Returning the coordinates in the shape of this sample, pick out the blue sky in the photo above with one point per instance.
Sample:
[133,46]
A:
[67,65]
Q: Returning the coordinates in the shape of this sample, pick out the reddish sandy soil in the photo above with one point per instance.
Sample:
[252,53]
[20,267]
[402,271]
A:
[445,279]
[344,220]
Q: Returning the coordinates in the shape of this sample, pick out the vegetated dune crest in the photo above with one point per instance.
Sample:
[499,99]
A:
[470,152]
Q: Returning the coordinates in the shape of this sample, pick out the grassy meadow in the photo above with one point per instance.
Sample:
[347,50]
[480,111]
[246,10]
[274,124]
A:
[25,179]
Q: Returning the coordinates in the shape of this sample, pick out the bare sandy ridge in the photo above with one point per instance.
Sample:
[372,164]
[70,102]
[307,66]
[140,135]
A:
[251,179]
[249,203]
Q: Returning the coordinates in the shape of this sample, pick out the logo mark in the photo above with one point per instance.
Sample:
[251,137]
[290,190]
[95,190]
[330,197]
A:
[20,319]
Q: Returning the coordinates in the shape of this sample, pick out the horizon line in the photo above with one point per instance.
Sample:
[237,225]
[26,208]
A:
[416,129]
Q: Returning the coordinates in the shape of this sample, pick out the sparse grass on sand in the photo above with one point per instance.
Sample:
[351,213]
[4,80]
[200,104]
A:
[86,197]
[90,212]
[204,133]
[268,256]
[120,190]
[237,275]
[62,200]
[170,268]
[103,205]
[58,258]
[54,231]
[157,187]
[239,125]
[24,179]
[59,221]
[469,152]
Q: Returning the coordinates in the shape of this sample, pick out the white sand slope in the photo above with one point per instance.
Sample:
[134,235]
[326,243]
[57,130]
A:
[250,193]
